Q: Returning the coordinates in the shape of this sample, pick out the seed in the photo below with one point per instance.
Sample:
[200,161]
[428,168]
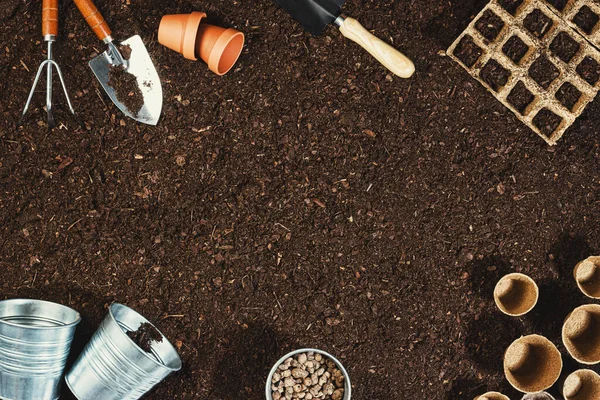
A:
[299,373]
[289,382]
[338,394]
[308,376]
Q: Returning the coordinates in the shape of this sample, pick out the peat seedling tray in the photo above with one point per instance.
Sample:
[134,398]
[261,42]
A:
[582,15]
[533,62]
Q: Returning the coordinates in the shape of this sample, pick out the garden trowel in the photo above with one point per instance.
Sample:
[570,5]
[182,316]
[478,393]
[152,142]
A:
[315,15]
[125,71]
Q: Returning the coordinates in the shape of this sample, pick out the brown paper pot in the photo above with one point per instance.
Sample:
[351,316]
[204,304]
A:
[516,294]
[538,396]
[581,334]
[587,275]
[492,396]
[582,385]
[532,364]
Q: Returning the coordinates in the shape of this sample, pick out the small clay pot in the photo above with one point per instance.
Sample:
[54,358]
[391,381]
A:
[587,276]
[179,32]
[492,396]
[581,334]
[516,294]
[219,47]
[532,364]
[582,385]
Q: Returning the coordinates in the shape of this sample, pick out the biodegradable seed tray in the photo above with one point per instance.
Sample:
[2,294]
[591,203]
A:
[582,15]
[532,61]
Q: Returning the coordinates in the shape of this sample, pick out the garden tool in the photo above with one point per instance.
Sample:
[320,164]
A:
[50,32]
[129,59]
[315,15]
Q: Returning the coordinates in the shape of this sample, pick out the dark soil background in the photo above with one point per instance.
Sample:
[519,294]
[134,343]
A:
[307,198]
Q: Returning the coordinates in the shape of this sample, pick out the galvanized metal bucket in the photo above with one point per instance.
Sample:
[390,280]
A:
[35,339]
[347,384]
[113,367]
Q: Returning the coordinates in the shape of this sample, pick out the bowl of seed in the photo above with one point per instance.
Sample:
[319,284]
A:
[308,374]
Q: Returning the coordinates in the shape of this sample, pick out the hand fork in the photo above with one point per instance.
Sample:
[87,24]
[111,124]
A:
[50,32]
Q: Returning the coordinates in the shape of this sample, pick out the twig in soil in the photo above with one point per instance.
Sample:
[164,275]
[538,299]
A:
[277,223]
[74,223]
[172,316]
[24,65]
[34,278]
[196,130]
[101,99]
[277,300]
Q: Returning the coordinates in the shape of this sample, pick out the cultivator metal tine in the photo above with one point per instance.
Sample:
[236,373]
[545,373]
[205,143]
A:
[64,87]
[31,92]
[51,121]
[49,31]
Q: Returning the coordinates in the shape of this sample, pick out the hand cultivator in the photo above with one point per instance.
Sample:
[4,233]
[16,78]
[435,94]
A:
[50,32]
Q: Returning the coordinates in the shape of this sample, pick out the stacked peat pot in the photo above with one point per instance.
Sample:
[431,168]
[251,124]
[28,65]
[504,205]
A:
[532,363]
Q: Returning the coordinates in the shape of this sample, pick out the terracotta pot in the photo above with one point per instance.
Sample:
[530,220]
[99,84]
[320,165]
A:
[219,47]
[179,32]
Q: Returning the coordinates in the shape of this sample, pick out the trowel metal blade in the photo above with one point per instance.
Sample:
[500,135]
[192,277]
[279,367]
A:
[140,66]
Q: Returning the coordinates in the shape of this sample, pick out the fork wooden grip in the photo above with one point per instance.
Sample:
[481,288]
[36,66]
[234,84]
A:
[94,19]
[391,58]
[50,17]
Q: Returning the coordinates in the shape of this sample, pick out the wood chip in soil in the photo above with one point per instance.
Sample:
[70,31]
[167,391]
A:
[538,23]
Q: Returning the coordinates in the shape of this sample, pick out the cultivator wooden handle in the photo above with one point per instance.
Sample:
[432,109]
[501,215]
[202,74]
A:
[94,18]
[391,58]
[50,18]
